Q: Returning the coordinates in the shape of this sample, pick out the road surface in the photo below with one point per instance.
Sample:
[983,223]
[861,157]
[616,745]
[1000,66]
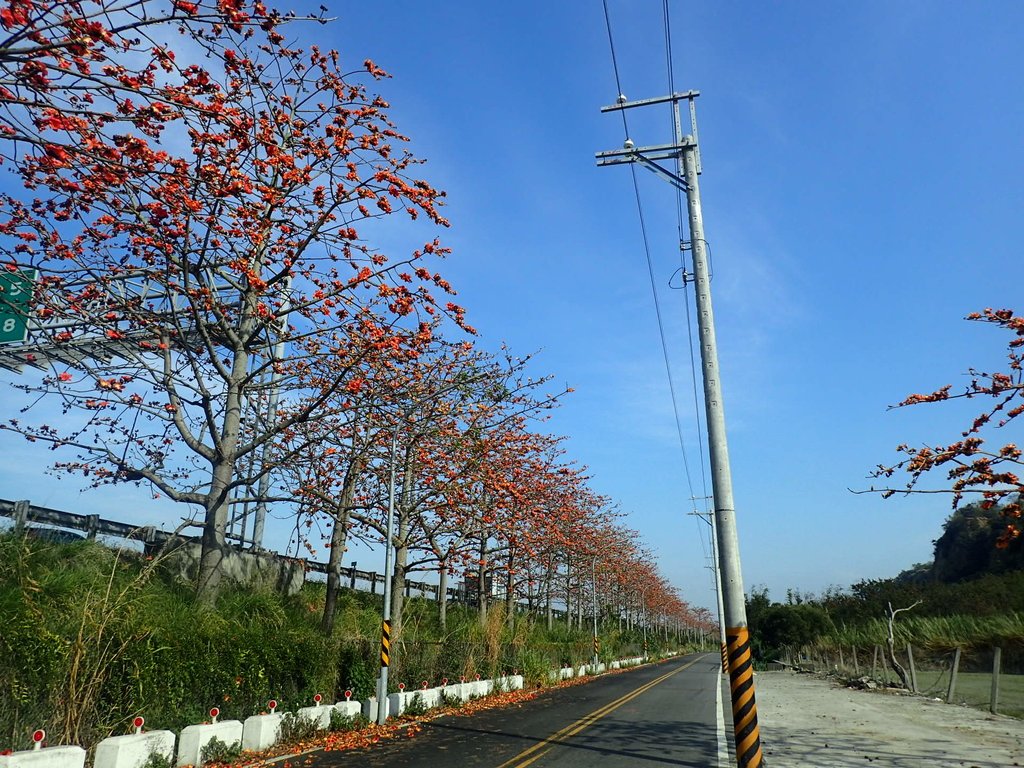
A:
[659,714]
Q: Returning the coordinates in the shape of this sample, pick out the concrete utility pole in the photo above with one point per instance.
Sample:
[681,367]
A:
[593,594]
[643,610]
[685,153]
[385,636]
[709,518]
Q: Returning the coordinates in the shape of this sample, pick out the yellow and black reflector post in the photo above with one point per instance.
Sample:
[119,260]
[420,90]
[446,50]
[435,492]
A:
[385,644]
[744,706]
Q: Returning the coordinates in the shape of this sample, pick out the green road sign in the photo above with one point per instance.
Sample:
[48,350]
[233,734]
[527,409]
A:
[15,304]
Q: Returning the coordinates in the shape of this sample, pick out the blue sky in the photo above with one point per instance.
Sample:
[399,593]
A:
[862,193]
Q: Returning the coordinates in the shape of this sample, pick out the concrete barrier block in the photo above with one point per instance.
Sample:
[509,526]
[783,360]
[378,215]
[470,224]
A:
[195,737]
[319,714]
[260,732]
[512,682]
[456,691]
[50,757]
[133,750]
[397,702]
[370,709]
[349,708]
[564,673]
[431,697]
[582,671]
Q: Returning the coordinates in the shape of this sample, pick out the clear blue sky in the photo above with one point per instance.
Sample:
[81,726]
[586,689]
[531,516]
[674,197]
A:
[862,193]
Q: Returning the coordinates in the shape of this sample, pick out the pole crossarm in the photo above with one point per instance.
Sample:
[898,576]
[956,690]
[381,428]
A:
[652,152]
[646,157]
[684,96]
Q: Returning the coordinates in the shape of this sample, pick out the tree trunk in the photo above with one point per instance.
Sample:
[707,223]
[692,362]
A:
[891,644]
[222,473]
[339,536]
[214,544]
[334,574]
[510,601]
[482,583]
[401,559]
[208,579]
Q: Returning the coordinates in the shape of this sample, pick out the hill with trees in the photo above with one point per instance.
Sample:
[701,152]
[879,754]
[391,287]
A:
[970,577]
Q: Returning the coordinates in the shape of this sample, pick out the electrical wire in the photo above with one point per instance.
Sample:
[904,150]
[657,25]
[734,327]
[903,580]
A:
[702,454]
[650,262]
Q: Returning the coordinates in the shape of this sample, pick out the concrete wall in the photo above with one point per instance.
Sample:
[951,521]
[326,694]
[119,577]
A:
[246,568]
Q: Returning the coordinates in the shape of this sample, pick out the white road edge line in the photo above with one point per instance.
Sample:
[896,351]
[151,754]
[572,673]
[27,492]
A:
[723,751]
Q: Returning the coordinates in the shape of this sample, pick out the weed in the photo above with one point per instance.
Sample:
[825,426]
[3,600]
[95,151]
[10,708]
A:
[450,700]
[296,728]
[157,760]
[216,751]
[416,706]
[342,722]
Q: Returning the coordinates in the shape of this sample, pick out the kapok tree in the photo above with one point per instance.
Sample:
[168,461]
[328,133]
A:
[344,438]
[972,467]
[450,405]
[194,227]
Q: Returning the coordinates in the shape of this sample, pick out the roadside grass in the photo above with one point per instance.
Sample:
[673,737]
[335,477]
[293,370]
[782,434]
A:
[93,637]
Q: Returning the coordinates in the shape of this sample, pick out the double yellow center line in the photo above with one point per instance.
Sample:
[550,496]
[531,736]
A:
[541,748]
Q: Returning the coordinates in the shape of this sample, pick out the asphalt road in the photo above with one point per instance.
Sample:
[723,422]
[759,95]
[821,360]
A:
[660,714]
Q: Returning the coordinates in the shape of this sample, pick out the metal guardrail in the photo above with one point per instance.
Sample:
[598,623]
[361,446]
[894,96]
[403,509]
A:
[24,512]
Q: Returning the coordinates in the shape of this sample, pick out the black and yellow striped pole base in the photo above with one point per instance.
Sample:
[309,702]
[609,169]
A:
[744,707]
[725,658]
[385,644]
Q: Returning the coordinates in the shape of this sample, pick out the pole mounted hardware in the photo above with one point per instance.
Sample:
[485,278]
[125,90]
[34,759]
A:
[685,154]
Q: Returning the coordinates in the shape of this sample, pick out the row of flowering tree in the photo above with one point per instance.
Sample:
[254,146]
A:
[191,194]
[446,435]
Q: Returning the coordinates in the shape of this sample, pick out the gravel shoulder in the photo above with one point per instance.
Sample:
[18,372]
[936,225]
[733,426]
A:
[809,721]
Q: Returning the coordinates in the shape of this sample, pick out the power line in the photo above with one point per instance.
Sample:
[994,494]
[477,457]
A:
[701,453]
[650,262]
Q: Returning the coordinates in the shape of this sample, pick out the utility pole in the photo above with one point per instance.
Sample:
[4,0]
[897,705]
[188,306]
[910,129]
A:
[643,609]
[709,518]
[385,636]
[685,153]
[593,580]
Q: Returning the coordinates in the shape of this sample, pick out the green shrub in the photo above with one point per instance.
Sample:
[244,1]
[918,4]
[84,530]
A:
[343,722]
[216,751]
[157,760]
[148,647]
[416,706]
[295,728]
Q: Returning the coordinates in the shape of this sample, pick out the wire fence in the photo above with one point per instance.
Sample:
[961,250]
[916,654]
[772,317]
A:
[984,677]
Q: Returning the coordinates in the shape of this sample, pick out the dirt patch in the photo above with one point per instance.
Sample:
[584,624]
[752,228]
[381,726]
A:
[809,721]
